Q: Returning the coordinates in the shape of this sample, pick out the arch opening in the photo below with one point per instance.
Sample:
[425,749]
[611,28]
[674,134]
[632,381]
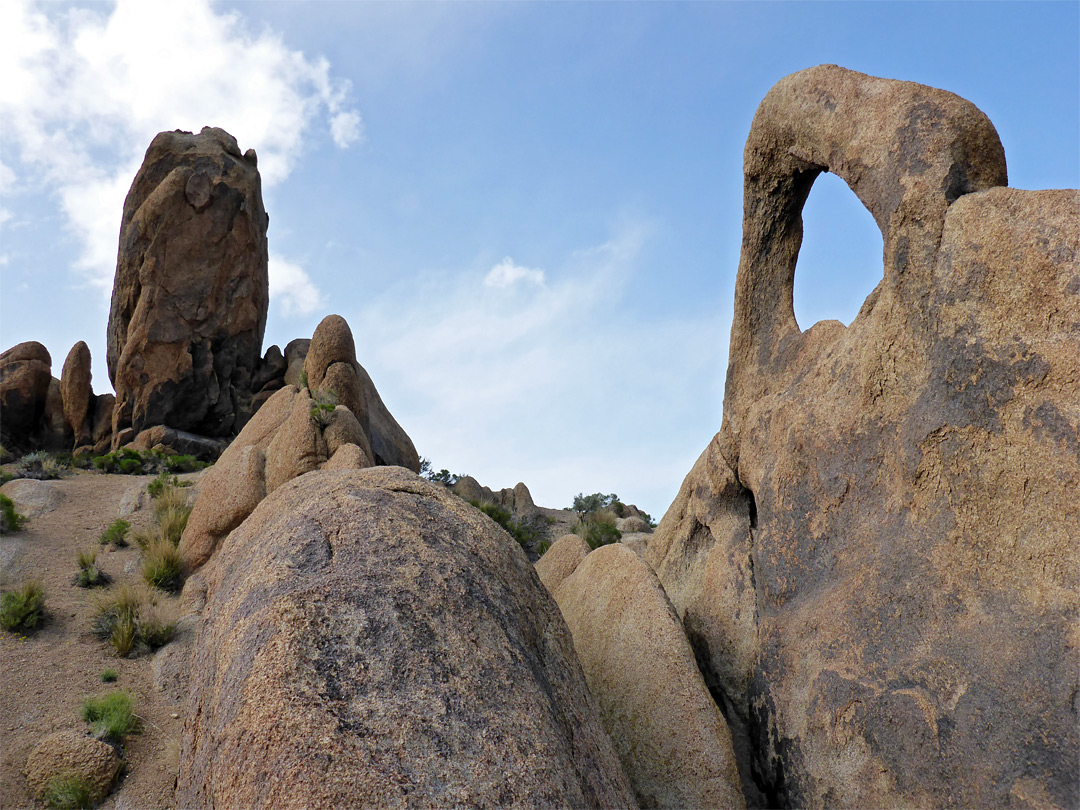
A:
[841,257]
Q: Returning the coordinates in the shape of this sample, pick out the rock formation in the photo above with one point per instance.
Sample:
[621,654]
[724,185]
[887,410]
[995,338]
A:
[876,559]
[331,368]
[368,639]
[77,393]
[516,499]
[669,734]
[25,373]
[191,290]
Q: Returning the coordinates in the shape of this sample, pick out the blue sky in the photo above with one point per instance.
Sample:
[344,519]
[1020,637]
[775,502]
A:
[529,213]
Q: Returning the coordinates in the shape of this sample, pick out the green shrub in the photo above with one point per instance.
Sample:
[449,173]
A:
[66,792]
[162,567]
[302,383]
[322,408]
[109,675]
[23,609]
[10,520]
[115,533]
[41,466]
[110,716]
[542,547]
[586,505]
[89,575]
[598,530]
[6,455]
[519,530]
[166,482]
[133,462]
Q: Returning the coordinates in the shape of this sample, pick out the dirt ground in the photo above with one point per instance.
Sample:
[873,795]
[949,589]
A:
[45,676]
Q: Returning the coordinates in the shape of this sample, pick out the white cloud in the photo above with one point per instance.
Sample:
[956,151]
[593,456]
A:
[292,289]
[506,274]
[346,129]
[549,387]
[86,89]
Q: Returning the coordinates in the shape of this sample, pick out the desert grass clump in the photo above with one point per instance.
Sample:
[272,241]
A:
[66,792]
[10,520]
[162,566]
[111,716]
[172,521]
[23,609]
[129,618]
[109,675]
[89,575]
[115,534]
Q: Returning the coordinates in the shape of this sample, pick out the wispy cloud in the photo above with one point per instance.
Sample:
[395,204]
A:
[292,290]
[86,89]
[546,384]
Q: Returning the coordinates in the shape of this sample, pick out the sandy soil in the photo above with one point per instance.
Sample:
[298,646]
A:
[44,677]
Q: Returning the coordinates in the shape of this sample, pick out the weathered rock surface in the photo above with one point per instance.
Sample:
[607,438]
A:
[331,366]
[25,373]
[368,639]
[561,560]
[632,524]
[191,290]
[673,742]
[77,393]
[876,559]
[72,753]
[33,497]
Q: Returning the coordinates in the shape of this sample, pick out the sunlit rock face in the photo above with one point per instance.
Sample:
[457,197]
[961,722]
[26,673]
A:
[191,290]
[876,559]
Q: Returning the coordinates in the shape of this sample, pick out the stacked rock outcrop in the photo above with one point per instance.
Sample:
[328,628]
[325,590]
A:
[368,639]
[876,559]
[294,432]
[191,291]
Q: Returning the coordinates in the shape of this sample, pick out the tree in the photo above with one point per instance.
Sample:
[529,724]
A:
[586,505]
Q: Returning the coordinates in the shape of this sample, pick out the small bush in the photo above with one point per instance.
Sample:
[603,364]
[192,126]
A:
[109,675]
[162,567]
[165,482]
[110,716]
[41,466]
[10,520]
[115,534]
[598,529]
[66,792]
[302,383]
[519,530]
[322,408]
[6,455]
[23,609]
[89,575]
[128,616]
[542,547]
[132,462]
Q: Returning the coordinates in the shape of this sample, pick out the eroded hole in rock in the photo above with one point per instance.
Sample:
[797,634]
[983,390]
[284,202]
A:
[840,261]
